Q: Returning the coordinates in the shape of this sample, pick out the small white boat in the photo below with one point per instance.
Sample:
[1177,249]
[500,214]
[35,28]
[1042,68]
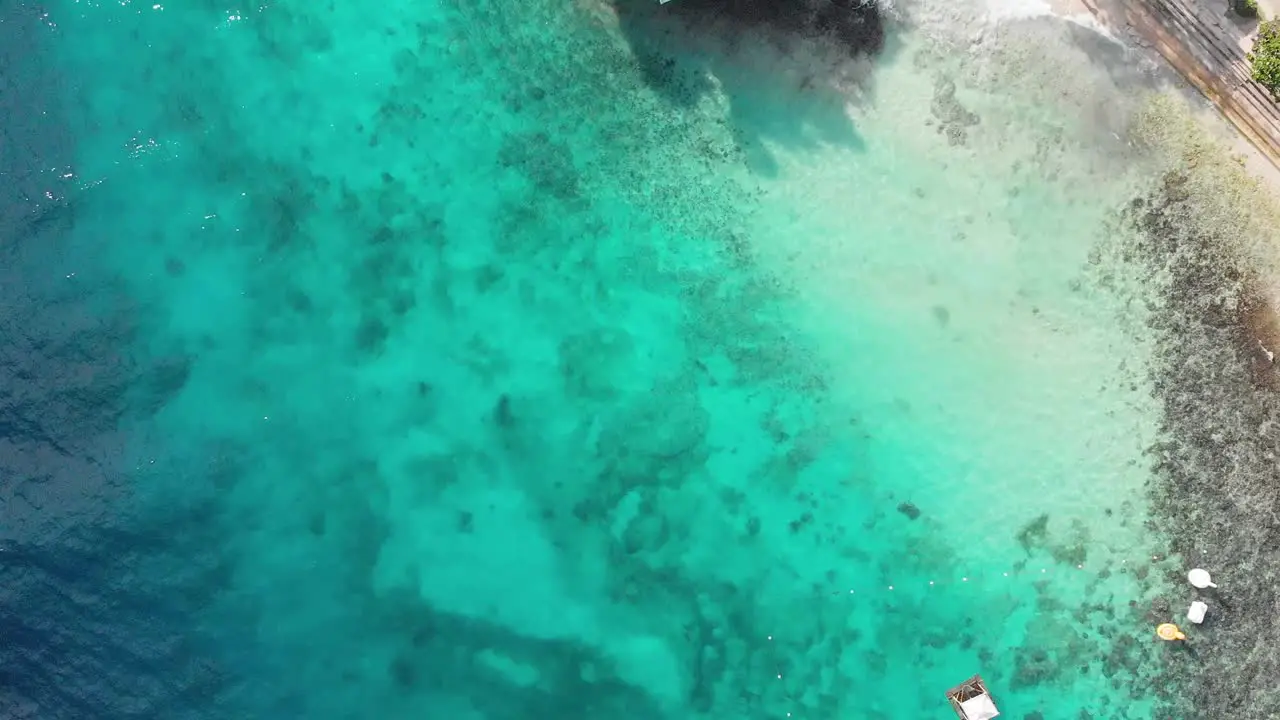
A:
[972,701]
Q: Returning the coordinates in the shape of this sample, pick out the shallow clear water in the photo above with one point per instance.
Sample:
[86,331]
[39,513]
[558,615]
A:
[447,360]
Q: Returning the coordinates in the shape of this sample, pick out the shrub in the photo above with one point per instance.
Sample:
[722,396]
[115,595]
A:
[1265,57]
[1245,8]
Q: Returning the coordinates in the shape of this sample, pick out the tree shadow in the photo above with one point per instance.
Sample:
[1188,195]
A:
[1237,27]
[1113,56]
[788,69]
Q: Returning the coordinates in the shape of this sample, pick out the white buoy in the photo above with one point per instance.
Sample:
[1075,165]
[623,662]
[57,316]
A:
[1200,578]
[1197,611]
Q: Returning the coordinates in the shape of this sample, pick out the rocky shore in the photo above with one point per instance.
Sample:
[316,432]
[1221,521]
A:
[1204,236]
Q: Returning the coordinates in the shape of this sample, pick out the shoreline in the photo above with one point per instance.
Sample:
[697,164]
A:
[1206,48]
[1215,372]
[1203,235]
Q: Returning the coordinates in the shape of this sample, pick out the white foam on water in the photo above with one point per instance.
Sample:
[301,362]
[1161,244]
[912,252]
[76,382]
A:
[1000,10]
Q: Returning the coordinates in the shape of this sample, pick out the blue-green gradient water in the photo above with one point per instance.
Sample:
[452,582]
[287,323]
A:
[560,359]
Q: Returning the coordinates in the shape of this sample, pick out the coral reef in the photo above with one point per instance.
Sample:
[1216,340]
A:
[1204,234]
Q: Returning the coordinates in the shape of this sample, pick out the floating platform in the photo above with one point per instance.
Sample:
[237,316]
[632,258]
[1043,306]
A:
[972,701]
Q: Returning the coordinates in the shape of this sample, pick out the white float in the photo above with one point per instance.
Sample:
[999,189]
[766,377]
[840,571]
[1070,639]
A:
[1200,578]
[1197,611]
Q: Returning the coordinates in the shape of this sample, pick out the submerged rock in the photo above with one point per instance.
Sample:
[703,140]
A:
[953,118]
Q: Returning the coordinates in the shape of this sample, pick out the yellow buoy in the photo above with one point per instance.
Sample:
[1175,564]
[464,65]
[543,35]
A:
[1169,631]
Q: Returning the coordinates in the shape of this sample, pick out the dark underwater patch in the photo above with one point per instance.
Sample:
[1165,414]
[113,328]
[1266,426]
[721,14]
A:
[857,26]
[808,56]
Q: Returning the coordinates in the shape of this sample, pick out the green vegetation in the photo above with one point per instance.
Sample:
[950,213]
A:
[1245,8]
[1265,57]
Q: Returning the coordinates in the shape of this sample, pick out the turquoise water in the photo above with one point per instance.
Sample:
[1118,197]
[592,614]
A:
[543,359]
